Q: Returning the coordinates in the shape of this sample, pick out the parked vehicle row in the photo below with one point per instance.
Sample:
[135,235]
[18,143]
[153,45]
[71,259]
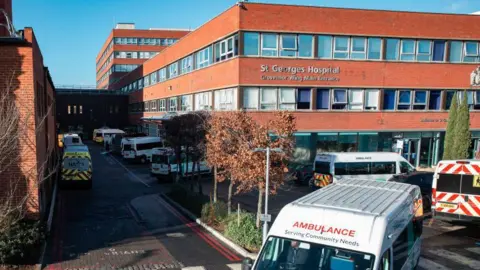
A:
[76,166]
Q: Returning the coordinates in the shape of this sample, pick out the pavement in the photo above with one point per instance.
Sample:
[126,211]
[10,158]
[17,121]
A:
[123,223]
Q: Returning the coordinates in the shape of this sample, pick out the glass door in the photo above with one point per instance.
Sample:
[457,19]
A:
[410,151]
[426,152]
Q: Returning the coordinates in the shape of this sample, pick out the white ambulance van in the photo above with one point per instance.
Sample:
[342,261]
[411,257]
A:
[347,225]
[456,190]
[164,164]
[379,166]
[140,148]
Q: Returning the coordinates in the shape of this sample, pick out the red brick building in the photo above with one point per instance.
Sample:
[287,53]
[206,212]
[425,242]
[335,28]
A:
[22,71]
[126,48]
[356,80]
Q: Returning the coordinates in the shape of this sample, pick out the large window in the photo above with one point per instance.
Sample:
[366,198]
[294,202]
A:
[251,43]
[287,99]
[374,48]
[288,45]
[389,98]
[173,70]
[225,99]
[325,47]
[339,101]
[268,98]
[186,103]
[203,101]
[153,78]
[358,49]
[204,57]
[435,100]
[226,48]
[438,50]
[392,49]
[305,46]
[186,64]
[172,104]
[424,50]
[162,105]
[303,102]
[162,74]
[407,50]
[269,45]
[340,47]
[250,98]
[323,99]
[471,52]
[468,52]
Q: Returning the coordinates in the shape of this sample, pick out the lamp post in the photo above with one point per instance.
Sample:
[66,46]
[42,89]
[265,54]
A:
[267,186]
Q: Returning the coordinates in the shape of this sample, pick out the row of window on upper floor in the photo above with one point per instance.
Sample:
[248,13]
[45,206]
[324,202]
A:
[134,55]
[359,48]
[217,52]
[105,64]
[105,76]
[336,99]
[144,41]
[105,52]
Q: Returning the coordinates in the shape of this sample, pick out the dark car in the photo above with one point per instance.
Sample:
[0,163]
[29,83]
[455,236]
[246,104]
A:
[303,174]
[421,179]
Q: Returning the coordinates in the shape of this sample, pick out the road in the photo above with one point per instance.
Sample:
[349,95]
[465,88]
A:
[122,223]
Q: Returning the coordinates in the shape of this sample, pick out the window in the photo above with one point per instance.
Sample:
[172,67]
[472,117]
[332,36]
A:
[203,101]
[438,50]
[383,168]
[477,100]
[470,52]
[455,51]
[251,43]
[374,48]
[146,81]
[268,99]
[153,78]
[305,46]
[69,109]
[389,97]
[140,84]
[162,75]
[172,104]
[385,261]
[407,50]
[74,109]
[339,99]
[323,99]
[80,109]
[225,99]
[359,48]
[250,98]
[392,50]
[173,70]
[340,47]
[401,249]
[420,100]
[162,105]
[435,100]
[371,99]
[204,57]
[186,103]
[405,167]
[303,102]
[424,50]
[448,99]
[135,85]
[226,48]
[355,99]
[153,105]
[404,99]
[325,47]
[288,45]
[287,99]
[269,45]
[186,64]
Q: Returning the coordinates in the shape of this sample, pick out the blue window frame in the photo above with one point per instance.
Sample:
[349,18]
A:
[435,100]
[251,43]
[374,48]
[323,99]
[455,54]
[389,97]
[325,47]
[438,50]
[404,99]
[392,49]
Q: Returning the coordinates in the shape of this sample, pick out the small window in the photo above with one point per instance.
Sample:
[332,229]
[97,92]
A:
[269,45]
[405,167]
[407,50]
[371,100]
[355,99]
[80,109]
[288,45]
[374,48]
[287,99]
[305,46]
[339,99]
[303,102]
[435,100]
[74,109]
[420,100]
[359,48]
[404,99]
[455,55]
[323,99]
[393,47]
[470,52]
[251,43]
[438,50]
[268,99]
[69,109]
[424,50]
[325,47]
[389,98]
[341,45]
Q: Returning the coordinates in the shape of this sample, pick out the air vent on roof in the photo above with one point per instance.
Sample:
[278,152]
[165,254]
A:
[125,26]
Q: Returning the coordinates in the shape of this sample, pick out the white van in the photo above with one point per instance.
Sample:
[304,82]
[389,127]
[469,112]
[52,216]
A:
[164,164]
[140,148]
[379,166]
[71,139]
[100,134]
[347,225]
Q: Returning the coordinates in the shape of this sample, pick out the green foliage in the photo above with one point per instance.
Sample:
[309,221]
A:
[449,145]
[214,212]
[20,241]
[463,136]
[192,201]
[246,233]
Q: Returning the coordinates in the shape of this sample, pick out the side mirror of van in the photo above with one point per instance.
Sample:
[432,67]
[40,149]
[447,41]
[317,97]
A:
[247,264]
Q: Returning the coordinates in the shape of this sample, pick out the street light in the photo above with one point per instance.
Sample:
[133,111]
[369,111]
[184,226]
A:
[267,186]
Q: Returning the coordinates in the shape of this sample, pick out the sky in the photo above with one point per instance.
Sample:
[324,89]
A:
[72,32]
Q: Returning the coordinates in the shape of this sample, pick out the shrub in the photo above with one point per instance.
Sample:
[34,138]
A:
[20,241]
[246,233]
[214,212]
[188,199]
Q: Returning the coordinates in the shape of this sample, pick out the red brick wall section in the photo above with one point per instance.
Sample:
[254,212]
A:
[7,6]
[285,18]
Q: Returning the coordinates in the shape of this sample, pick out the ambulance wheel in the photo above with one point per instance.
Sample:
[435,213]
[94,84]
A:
[143,159]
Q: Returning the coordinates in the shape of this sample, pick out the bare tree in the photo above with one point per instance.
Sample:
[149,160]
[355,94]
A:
[16,132]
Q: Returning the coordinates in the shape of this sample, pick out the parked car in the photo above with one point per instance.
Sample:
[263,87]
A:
[421,179]
[303,173]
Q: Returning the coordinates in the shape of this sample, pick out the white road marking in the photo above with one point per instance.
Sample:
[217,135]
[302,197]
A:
[235,266]
[130,172]
[474,250]
[430,265]
[455,257]
[194,268]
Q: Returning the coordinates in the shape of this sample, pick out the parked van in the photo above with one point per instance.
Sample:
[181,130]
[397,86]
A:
[379,166]
[456,190]
[100,134]
[71,139]
[76,167]
[164,164]
[140,148]
[351,224]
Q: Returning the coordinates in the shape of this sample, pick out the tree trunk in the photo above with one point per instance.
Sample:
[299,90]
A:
[199,180]
[259,205]
[215,183]
[229,201]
